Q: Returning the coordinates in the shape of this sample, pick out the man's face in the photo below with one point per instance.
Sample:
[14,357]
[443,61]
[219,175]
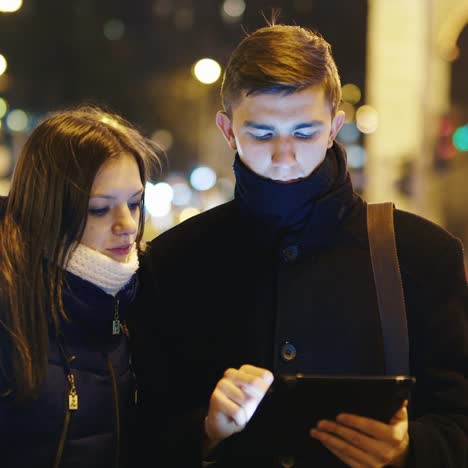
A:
[282,137]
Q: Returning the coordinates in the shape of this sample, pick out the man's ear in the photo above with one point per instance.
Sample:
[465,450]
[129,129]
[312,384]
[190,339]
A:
[336,125]
[224,123]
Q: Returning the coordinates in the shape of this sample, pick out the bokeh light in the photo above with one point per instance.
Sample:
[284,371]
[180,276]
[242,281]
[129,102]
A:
[207,70]
[158,199]
[351,93]
[17,120]
[203,178]
[349,111]
[460,138]
[10,6]
[356,156]
[3,108]
[234,8]
[187,213]
[5,161]
[3,64]
[163,138]
[114,29]
[349,133]
[4,187]
[182,194]
[367,119]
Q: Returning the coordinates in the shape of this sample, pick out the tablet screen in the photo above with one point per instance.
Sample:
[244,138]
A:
[297,402]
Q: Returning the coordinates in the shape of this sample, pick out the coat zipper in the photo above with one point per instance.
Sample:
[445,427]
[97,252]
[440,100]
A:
[71,404]
[115,395]
[63,436]
[116,326]
[116,330]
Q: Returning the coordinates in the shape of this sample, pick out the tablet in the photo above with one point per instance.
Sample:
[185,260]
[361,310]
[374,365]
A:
[296,402]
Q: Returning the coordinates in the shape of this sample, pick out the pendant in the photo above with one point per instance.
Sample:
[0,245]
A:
[116,327]
[72,401]
[72,394]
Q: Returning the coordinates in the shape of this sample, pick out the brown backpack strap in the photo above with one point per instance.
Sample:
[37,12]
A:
[389,287]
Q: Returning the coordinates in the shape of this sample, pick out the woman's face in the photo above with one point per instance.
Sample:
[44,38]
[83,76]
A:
[114,208]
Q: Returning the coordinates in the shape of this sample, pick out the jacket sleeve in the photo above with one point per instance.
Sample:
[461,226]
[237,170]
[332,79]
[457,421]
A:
[439,360]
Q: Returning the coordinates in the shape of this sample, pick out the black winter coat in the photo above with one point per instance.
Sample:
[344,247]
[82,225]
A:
[45,433]
[212,298]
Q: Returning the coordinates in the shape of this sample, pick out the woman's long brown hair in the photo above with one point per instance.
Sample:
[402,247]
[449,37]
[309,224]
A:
[45,218]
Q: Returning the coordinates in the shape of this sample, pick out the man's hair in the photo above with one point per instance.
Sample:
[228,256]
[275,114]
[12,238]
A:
[280,59]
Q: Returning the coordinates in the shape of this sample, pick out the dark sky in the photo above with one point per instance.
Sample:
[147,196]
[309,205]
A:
[58,54]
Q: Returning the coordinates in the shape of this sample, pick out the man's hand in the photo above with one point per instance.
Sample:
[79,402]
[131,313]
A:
[234,401]
[363,442]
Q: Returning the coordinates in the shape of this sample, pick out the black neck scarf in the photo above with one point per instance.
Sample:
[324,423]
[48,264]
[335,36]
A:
[303,213]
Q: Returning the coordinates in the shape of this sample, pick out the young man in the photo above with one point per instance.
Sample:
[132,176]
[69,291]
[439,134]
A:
[279,280]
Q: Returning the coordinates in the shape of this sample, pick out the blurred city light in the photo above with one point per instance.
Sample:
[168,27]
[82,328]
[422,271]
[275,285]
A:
[182,194]
[17,120]
[356,156]
[203,178]
[226,186]
[158,199]
[234,8]
[10,6]
[4,186]
[367,119]
[349,133]
[4,83]
[5,161]
[351,93]
[207,70]
[460,138]
[114,29]
[163,138]
[3,64]
[187,213]
[349,111]
[161,222]
[3,108]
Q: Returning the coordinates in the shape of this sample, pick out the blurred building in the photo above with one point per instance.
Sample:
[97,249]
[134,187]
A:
[403,66]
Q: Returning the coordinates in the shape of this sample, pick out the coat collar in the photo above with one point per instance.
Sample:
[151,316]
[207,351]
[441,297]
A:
[323,220]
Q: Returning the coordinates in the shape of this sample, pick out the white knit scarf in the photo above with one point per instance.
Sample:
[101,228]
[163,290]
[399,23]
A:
[101,270]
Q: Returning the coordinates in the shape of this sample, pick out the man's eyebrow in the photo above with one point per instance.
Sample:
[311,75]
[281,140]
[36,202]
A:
[311,124]
[250,123]
[110,197]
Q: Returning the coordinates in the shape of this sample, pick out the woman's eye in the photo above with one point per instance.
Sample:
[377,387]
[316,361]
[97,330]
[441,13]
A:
[134,205]
[97,211]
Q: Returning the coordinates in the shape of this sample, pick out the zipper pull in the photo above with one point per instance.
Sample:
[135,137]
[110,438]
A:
[72,394]
[116,321]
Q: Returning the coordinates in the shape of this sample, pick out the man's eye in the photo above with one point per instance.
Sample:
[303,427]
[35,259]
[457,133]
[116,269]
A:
[262,136]
[304,136]
[97,211]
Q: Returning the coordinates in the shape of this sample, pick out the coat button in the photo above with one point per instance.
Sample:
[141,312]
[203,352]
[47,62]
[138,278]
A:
[287,462]
[290,253]
[288,351]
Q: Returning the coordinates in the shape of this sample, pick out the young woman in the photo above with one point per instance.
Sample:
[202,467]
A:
[69,242]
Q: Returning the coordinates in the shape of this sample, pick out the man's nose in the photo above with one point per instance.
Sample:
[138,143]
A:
[284,154]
